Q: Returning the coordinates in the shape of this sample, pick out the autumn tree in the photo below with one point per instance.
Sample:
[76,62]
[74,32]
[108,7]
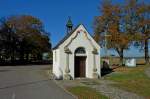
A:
[26,37]
[7,41]
[143,12]
[110,22]
[128,24]
[137,19]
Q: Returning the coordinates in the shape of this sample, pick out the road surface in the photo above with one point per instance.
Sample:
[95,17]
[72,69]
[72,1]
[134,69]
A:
[29,82]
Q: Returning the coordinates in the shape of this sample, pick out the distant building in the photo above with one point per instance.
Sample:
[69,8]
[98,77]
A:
[45,56]
[76,55]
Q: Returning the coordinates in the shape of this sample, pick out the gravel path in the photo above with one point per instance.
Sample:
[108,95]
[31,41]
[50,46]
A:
[114,93]
[102,86]
[147,72]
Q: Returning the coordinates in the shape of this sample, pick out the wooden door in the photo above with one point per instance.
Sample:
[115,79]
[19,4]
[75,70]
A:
[80,66]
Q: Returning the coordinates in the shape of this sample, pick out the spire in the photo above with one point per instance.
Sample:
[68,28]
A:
[69,25]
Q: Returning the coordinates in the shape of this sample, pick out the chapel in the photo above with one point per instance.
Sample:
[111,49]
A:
[77,55]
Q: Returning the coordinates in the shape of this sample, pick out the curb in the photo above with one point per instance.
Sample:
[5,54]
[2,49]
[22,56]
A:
[65,89]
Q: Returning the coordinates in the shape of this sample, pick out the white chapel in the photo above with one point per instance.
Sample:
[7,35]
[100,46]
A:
[77,55]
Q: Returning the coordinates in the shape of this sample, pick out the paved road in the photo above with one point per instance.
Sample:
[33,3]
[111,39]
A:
[29,82]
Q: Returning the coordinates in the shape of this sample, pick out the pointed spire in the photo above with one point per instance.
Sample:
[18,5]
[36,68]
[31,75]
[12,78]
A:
[69,25]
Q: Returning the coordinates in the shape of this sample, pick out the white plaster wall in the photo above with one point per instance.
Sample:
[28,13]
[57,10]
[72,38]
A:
[54,62]
[57,69]
[98,63]
[79,41]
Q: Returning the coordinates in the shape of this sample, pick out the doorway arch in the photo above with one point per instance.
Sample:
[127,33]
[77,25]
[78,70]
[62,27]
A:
[80,62]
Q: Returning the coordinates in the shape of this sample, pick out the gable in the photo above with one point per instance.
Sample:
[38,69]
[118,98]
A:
[89,37]
[65,38]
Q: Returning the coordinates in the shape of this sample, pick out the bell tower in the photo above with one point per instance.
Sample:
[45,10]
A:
[69,25]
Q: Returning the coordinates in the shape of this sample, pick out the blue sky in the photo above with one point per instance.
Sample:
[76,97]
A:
[54,14]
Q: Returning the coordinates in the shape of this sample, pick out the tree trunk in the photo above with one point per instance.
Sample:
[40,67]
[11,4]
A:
[27,57]
[121,55]
[39,56]
[21,56]
[146,52]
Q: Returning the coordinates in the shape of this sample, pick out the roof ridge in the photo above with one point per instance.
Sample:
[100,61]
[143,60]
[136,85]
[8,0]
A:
[65,37]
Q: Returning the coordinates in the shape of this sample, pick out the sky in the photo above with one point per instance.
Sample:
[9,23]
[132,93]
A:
[54,14]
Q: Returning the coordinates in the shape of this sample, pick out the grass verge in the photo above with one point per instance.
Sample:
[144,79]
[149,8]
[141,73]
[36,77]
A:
[83,92]
[132,79]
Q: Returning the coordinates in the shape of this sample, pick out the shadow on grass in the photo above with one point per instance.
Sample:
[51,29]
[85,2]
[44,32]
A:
[106,69]
[140,64]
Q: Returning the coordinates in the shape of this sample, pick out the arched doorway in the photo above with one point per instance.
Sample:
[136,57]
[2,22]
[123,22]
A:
[80,62]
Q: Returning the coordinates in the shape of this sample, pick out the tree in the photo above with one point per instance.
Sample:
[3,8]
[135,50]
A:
[110,22]
[137,20]
[7,41]
[26,35]
[144,27]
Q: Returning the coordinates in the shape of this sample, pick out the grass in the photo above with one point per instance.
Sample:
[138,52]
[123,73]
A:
[83,92]
[132,79]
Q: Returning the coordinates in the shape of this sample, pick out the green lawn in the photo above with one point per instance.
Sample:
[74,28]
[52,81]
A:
[132,79]
[86,93]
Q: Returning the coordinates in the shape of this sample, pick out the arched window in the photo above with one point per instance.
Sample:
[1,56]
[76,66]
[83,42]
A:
[80,50]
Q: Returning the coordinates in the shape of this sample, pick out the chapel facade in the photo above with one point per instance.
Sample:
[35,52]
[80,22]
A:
[77,55]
